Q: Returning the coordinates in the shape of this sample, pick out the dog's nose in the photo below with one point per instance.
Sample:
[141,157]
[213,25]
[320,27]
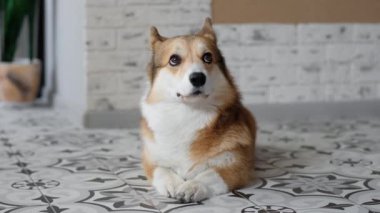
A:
[197,79]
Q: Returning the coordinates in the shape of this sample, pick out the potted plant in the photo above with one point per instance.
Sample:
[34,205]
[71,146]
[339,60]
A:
[19,78]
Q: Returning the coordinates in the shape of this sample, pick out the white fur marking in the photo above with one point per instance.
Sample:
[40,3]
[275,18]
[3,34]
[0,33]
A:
[172,139]
[204,184]
[166,182]
[192,191]
[185,87]
[213,181]
[222,160]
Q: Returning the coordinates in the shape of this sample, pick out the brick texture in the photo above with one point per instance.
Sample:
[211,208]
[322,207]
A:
[271,63]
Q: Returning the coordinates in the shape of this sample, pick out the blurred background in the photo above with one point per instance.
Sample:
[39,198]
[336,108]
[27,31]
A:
[289,57]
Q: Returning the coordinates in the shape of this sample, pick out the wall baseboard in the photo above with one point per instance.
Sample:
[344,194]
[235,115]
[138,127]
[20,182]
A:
[112,119]
[263,113]
[296,111]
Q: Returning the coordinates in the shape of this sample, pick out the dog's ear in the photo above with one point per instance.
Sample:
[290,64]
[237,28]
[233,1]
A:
[207,30]
[155,37]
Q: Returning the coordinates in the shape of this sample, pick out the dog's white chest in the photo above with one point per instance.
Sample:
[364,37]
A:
[175,126]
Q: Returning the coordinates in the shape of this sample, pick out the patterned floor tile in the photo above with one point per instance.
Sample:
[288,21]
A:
[269,199]
[336,209]
[134,177]
[17,189]
[121,198]
[27,209]
[50,164]
[369,199]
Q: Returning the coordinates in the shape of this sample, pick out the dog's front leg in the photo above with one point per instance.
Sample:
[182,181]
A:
[166,181]
[204,185]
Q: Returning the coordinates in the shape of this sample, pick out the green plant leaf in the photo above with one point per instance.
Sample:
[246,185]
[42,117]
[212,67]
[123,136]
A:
[31,15]
[15,12]
[2,3]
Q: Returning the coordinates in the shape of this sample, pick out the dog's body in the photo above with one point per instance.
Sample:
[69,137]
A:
[198,137]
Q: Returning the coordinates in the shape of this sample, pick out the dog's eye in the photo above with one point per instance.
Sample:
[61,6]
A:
[174,60]
[207,58]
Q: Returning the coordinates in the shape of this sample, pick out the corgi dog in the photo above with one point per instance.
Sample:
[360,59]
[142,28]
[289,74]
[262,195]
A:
[198,138]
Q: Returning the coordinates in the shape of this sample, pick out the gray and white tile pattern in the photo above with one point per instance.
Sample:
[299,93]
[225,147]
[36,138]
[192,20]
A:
[49,164]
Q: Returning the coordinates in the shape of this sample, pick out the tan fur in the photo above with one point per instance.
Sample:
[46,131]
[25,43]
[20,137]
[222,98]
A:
[233,130]
[148,135]
[145,131]
[147,165]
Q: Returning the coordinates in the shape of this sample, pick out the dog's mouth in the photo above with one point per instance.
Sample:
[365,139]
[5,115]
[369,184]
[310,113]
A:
[193,95]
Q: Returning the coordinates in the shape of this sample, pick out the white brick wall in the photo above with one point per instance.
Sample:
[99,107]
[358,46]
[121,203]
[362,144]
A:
[324,33]
[341,92]
[367,33]
[296,93]
[304,62]
[101,39]
[272,63]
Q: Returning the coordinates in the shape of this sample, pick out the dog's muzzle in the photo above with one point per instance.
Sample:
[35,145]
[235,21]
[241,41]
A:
[197,79]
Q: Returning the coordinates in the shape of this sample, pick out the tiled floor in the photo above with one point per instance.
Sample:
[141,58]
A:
[48,164]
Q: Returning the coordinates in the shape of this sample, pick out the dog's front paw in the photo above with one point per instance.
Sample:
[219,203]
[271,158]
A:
[192,191]
[166,182]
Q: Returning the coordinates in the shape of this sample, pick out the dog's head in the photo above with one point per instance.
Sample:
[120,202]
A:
[189,69]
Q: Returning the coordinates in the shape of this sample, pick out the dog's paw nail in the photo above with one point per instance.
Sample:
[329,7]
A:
[192,192]
[180,195]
